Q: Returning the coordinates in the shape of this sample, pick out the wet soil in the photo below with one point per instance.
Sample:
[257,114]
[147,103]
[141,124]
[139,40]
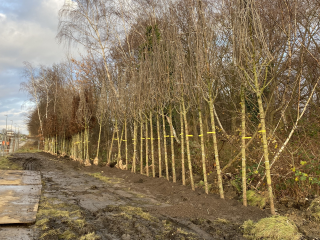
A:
[298,212]
[80,202]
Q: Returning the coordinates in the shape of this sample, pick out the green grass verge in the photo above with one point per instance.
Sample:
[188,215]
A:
[6,164]
[29,147]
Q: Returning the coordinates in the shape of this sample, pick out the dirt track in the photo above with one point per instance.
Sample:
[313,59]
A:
[108,203]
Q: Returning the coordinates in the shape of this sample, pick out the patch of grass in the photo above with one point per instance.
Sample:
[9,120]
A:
[104,178]
[68,235]
[124,215]
[53,232]
[53,213]
[171,230]
[316,216]
[42,224]
[255,199]
[50,210]
[100,176]
[139,195]
[179,230]
[137,211]
[273,228]
[78,223]
[29,147]
[221,220]
[90,236]
[5,164]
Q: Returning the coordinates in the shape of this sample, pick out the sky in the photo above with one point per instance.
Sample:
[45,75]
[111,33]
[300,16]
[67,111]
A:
[28,31]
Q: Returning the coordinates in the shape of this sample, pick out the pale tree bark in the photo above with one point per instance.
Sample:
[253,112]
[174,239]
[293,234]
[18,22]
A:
[141,145]
[120,137]
[188,144]
[243,145]
[152,147]
[159,146]
[118,140]
[165,144]
[174,178]
[215,146]
[87,157]
[96,160]
[135,140]
[182,148]
[126,142]
[147,149]
[265,149]
[203,154]
[111,146]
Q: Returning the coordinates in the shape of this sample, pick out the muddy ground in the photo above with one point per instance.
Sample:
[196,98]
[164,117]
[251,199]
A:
[107,203]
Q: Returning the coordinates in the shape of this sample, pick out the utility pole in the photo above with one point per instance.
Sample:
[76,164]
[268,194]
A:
[14,147]
[10,144]
[5,136]
[2,142]
[18,137]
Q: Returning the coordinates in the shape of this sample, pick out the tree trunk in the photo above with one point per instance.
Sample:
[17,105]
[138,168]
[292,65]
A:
[203,154]
[134,146]
[182,148]
[243,145]
[147,150]
[126,141]
[195,130]
[86,141]
[110,150]
[152,147]
[96,160]
[205,125]
[81,147]
[159,146]
[141,145]
[188,144]
[165,145]
[174,178]
[119,138]
[265,148]
[215,146]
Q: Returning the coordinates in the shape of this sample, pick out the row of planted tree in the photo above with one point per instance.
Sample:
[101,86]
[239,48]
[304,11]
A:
[185,87]
[144,144]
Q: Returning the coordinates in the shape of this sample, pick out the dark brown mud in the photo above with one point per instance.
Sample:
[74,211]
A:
[80,202]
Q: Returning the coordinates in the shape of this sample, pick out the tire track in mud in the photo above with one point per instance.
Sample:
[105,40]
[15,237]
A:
[109,201]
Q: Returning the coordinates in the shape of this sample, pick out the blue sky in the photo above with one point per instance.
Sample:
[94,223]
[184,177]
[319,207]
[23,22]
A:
[27,33]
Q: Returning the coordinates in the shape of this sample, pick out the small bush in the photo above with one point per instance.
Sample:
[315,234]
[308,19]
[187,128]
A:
[273,228]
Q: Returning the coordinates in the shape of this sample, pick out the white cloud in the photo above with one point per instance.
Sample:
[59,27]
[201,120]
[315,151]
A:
[71,4]
[31,39]
[28,30]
